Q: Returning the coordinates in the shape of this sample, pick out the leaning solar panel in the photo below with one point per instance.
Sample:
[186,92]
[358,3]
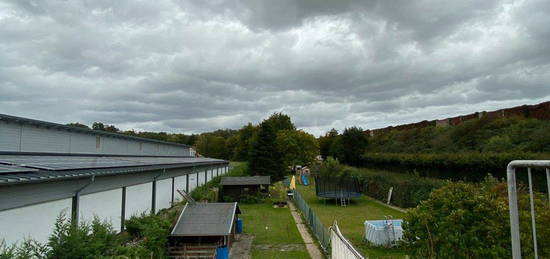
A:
[66,162]
[14,169]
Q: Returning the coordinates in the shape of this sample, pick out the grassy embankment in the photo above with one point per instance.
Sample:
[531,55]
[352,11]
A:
[351,219]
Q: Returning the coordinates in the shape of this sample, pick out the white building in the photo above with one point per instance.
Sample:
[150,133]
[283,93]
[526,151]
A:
[47,169]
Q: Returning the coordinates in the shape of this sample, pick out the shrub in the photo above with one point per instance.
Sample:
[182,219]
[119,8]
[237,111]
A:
[473,166]
[152,229]
[88,240]
[408,190]
[251,199]
[462,220]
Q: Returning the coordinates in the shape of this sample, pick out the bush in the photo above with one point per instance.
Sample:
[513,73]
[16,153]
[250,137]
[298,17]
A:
[27,250]
[152,229]
[251,199]
[88,240]
[473,166]
[408,190]
[462,220]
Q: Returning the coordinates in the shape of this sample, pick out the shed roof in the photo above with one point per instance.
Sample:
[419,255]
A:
[245,180]
[206,219]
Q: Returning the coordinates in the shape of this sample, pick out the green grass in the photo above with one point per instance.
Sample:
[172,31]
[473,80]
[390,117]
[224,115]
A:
[351,219]
[271,226]
[267,254]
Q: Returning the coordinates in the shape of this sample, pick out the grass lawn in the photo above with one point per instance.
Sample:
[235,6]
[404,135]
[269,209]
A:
[271,226]
[263,254]
[351,219]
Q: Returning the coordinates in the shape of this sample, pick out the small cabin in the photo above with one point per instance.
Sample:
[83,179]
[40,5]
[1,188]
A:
[203,228]
[236,187]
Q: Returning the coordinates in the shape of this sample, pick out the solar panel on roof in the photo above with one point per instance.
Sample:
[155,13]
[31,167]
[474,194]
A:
[14,169]
[56,163]
[66,162]
[165,160]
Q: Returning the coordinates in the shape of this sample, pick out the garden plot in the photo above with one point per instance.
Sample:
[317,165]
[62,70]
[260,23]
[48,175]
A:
[351,220]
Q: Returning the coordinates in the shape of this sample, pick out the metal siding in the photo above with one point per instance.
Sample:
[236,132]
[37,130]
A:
[35,139]
[83,144]
[36,222]
[138,199]
[104,205]
[20,195]
[149,149]
[133,147]
[179,184]
[164,194]
[10,136]
[113,146]
[28,194]
[201,178]
[192,182]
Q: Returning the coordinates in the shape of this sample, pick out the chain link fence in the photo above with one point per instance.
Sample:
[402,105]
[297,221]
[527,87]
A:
[318,229]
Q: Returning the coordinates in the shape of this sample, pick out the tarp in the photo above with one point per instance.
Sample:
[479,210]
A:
[293,183]
[304,180]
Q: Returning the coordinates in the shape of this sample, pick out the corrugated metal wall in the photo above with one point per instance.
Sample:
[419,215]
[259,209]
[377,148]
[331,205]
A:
[105,205]
[10,134]
[27,138]
[164,194]
[138,199]
[179,184]
[192,182]
[36,221]
[35,139]
[83,144]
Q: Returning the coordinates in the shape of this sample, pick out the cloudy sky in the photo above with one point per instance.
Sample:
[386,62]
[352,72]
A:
[194,66]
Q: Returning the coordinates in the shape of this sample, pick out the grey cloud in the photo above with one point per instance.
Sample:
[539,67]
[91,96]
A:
[194,66]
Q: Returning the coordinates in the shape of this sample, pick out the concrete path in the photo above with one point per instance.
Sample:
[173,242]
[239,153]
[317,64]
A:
[241,246]
[311,247]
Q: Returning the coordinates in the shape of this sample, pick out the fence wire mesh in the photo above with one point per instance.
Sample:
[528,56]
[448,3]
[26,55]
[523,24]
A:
[319,230]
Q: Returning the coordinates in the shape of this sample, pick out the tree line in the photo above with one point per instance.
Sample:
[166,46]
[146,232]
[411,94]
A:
[270,147]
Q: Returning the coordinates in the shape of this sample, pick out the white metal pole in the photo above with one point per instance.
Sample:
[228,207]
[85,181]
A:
[548,182]
[533,224]
[514,217]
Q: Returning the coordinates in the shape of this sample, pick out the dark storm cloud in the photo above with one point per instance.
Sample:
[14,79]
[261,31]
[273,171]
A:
[192,66]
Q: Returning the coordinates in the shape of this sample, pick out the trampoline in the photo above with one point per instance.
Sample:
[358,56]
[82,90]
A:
[337,187]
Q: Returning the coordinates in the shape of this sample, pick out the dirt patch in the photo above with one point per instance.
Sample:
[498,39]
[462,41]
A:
[241,246]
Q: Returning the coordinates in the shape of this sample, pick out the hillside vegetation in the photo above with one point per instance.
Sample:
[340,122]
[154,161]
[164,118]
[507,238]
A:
[482,135]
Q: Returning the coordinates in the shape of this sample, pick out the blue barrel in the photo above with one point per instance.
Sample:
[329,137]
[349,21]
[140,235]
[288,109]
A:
[239,225]
[222,253]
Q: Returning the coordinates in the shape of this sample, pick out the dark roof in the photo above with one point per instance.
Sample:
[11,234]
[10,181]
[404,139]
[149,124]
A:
[206,219]
[20,120]
[18,169]
[245,180]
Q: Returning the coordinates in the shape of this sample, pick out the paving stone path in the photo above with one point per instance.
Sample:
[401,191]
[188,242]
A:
[311,247]
[241,246]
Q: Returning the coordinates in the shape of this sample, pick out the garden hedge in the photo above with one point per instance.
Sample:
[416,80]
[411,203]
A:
[471,166]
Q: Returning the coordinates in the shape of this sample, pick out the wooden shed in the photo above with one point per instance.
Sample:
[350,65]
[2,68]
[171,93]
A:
[236,187]
[202,228]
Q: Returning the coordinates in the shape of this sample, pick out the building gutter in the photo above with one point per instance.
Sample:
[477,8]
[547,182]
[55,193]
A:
[75,217]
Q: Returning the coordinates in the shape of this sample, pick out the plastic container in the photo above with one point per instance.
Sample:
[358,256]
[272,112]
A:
[239,226]
[222,253]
